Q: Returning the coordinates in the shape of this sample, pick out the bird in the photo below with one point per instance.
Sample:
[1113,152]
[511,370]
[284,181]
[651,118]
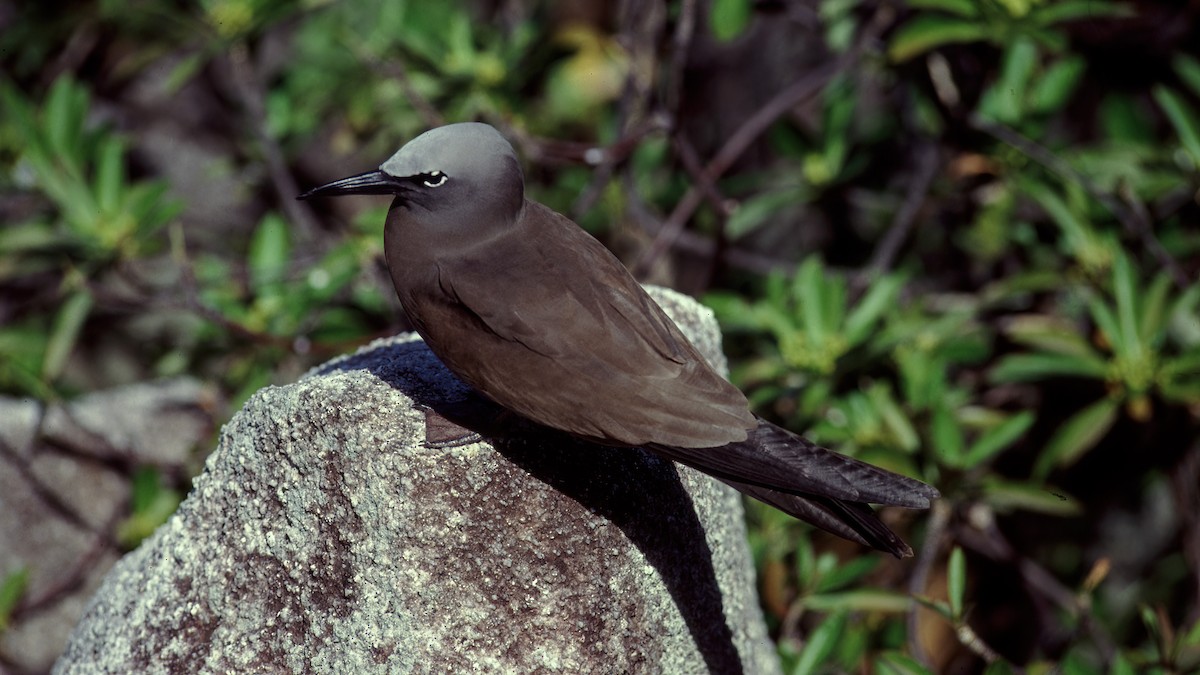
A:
[534,313]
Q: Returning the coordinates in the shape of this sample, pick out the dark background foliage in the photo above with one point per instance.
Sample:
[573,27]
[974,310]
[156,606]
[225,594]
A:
[957,238]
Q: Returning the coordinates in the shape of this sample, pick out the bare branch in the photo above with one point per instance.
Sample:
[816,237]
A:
[250,91]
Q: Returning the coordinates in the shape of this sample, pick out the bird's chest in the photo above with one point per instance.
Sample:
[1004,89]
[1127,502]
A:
[449,325]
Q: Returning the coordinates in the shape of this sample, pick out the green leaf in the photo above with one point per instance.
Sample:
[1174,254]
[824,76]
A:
[65,333]
[1049,333]
[728,18]
[841,106]
[1000,667]
[1076,232]
[965,8]
[1183,319]
[1007,496]
[942,609]
[998,438]
[899,663]
[810,286]
[1077,435]
[1073,10]
[1183,365]
[758,211]
[1183,118]
[1079,238]
[833,304]
[1033,367]
[183,71]
[732,311]
[1179,378]
[947,437]
[927,32]
[1192,636]
[1004,100]
[879,298]
[820,644]
[1121,665]
[1108,324]
[1054,88]
[110,174]
[152,504]
[1125,289]
[1150,620]
[846,574]
[894,418]
[956,581]
[1152,322]
[1189,71]
[806,564]
[337,269]
[1020,284]
[269,254]
[1186,393]
[147,202]
[64,118]
[859,600]
[1125,125]
[11,590]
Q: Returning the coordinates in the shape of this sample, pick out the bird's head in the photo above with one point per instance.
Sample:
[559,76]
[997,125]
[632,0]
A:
[450,173]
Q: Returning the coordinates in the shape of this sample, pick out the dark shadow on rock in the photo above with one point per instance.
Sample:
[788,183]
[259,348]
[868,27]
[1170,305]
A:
[636,490]
[641,494]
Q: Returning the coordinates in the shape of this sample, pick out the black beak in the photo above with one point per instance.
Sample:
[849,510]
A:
[369,183]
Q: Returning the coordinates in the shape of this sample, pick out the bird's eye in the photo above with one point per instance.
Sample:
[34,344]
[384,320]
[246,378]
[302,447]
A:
[434,179]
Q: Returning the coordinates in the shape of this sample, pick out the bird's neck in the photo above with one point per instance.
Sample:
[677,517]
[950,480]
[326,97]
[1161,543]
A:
[414,237]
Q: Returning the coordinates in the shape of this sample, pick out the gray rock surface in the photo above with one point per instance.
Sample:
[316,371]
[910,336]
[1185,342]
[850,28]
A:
[324,536]
[64,488]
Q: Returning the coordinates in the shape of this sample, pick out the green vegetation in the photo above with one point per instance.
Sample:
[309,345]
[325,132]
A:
[956,238]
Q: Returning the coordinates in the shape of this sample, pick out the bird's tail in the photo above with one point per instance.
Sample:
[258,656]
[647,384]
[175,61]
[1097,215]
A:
[851,520]
[824,488]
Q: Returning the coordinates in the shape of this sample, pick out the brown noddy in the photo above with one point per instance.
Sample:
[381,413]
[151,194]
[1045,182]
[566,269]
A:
[530,310]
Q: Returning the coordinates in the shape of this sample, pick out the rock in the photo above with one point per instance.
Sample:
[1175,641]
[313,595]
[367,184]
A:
[64,487]
[323,536]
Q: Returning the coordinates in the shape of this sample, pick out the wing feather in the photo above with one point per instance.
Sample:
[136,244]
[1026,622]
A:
[591,354]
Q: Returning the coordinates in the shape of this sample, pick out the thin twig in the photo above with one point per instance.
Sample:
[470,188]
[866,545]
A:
[75,576]
[733,148]
[192,301]
[250,91]
[989,541]
[640,27]
[555,152]
[971,640]
[703,246]
[749,131]
[902,223]
[935,532]
[52,501]
[691,163]
[681,44]
[717,201]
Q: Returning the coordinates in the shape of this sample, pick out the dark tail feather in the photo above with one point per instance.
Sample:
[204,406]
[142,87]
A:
[821,487]
[850,520]
[776,459]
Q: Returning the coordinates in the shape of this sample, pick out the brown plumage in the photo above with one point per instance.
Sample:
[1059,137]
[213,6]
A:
[534,313]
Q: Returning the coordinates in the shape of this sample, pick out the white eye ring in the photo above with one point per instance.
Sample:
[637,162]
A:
[436,179]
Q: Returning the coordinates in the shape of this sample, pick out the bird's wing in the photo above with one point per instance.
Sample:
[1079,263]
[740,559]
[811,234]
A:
[565,336]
